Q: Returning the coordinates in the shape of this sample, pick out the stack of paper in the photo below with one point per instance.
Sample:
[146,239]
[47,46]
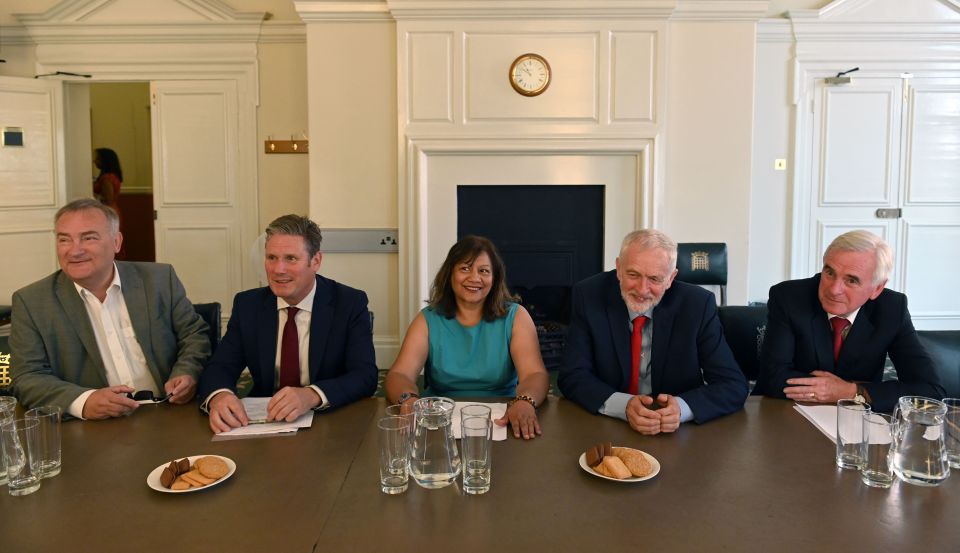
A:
[256,408]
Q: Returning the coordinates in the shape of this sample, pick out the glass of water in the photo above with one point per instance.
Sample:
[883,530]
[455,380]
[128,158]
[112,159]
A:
[394,454]
[475,449]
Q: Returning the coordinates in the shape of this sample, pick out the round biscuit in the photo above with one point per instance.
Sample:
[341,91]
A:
[212,467]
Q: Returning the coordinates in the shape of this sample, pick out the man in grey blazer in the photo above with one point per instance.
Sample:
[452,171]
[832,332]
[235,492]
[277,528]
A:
[99,329]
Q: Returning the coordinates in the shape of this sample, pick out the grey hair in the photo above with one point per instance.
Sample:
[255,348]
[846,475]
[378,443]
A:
[83,204]
[297,225]
[649,239]
[865,241]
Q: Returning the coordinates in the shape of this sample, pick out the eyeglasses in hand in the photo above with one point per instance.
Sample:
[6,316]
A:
[146,396]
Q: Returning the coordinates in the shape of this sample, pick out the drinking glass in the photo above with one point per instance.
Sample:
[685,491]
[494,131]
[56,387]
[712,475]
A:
[394,454]
[8,409]
[952,431]
[877,437]
[850,444]
[20,441]
[49,417]
[476,445]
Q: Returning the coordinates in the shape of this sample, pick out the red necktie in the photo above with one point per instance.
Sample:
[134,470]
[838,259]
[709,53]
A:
[839,324]
[636,345]
[290,351]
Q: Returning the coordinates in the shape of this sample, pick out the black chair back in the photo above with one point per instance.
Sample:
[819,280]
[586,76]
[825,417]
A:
[703,263]
[944,347]
[210,313]
[745,327]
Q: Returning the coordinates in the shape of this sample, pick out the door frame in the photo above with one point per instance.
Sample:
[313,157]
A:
[223,46]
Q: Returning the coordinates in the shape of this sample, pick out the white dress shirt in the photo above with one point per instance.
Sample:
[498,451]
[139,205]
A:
[616,404]
[123,359]
[303,318]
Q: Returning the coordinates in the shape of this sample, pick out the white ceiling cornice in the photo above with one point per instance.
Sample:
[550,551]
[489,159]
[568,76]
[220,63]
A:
[720,10]
[880,21]
[379,10]
[330,10]
[170,21]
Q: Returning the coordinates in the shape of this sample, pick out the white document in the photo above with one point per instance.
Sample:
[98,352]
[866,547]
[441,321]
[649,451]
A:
[497,410]
[256,408]
[823,417]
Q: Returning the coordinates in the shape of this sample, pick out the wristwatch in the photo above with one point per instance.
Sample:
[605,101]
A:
[405,396]
[861,396]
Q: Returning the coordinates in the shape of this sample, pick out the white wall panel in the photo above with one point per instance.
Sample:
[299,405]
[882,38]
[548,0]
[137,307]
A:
[856,143]
[934,153]
[633,64]
[27,173]
[571,96]
[28,255]
[430,62]
[931,269]
[199,169]
[212,243]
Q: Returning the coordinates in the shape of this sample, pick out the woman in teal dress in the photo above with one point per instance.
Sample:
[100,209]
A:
[473,339]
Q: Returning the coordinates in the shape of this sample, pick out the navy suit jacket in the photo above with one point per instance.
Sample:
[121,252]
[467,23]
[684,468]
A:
[341,357]
[689,357]
[799,340]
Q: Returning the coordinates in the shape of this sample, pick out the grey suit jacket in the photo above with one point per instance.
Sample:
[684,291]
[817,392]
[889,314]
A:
[55,357]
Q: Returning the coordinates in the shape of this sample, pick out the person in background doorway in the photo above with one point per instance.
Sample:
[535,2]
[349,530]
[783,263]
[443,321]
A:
[107,186]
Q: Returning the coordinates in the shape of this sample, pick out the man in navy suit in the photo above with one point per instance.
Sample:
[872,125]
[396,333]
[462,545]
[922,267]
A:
[828,336]
[306,339]
[648,350]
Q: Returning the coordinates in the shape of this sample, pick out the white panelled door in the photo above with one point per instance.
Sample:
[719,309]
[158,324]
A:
[31,179]
[929,245]
[886,158]
[198,220]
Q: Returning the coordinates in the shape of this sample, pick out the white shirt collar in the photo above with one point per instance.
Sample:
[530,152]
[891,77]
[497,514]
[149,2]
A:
[115,282]
[306,304]
[851,317]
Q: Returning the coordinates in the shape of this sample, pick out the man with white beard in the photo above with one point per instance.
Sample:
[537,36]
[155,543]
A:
[648,350]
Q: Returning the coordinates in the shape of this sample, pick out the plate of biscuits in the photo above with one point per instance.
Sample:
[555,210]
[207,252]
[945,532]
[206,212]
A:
[620,464]
[190,474]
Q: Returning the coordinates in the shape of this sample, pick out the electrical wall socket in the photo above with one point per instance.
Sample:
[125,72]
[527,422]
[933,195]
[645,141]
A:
[780,165]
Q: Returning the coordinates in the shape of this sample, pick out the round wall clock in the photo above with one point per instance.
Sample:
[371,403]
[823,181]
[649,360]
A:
[530,74]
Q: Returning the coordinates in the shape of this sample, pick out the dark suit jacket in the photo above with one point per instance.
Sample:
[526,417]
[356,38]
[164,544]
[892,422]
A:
[689,357]
[54,350]
[341,357]
[799,340]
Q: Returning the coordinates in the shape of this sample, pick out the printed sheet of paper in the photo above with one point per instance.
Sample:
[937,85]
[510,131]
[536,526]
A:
[823,417]
[256,408]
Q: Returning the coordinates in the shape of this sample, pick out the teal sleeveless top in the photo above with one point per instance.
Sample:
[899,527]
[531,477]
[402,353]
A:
[472,361]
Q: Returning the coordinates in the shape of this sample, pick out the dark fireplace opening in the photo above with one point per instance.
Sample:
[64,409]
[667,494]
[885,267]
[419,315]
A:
[550,237]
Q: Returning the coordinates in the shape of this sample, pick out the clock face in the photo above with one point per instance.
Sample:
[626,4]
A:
[530,74]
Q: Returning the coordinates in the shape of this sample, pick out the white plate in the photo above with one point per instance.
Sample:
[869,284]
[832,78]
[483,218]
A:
[653,462]
[153,479]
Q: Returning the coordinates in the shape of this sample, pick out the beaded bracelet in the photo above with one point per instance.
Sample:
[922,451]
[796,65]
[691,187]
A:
[522,397]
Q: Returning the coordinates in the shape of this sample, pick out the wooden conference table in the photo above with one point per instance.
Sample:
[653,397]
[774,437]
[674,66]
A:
[762,479]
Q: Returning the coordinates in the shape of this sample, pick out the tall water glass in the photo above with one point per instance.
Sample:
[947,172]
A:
[850,445]
[394,454]
[475,410]
[20,442]
[476,447]
[8,408]
[49,417]
[952,431]
[877,438]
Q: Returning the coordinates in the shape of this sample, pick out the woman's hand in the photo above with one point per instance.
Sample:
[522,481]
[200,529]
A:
[523,418]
